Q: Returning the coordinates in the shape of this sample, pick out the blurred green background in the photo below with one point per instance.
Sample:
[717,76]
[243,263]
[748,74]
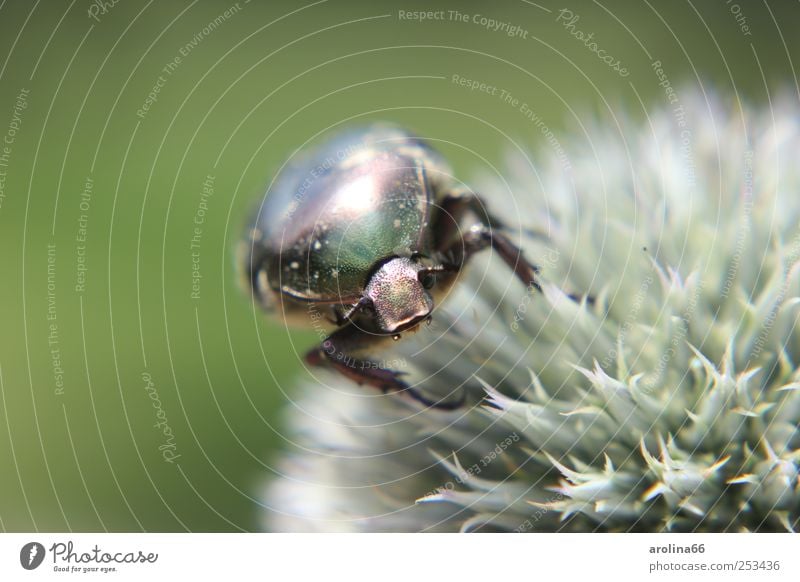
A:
[86,347]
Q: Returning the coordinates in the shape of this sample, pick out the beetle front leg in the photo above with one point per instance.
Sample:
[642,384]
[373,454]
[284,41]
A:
[480,237]
[486,233]
[340,352]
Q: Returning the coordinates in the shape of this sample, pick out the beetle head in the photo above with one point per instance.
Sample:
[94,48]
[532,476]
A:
[398,297]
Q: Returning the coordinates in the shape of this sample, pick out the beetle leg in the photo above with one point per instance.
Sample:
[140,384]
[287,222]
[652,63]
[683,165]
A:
[452,210]
[481,236]
[339,351]
[487,233]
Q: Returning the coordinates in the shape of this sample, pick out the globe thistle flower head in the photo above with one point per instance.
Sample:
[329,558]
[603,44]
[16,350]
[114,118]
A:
[651,386]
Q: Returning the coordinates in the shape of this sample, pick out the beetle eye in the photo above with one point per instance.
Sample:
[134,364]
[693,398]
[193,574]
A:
[428,280]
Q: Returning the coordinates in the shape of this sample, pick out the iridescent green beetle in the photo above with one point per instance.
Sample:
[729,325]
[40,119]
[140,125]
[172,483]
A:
[368,230]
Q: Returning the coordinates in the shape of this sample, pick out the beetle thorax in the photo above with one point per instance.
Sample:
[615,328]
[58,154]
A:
[399,299]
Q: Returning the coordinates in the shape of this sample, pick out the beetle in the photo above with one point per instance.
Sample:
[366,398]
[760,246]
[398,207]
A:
[367,232]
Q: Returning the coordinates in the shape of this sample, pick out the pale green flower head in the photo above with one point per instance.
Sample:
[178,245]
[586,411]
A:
[652,386]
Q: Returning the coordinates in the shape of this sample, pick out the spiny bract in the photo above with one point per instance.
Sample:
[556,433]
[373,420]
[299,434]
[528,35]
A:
[652,386]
